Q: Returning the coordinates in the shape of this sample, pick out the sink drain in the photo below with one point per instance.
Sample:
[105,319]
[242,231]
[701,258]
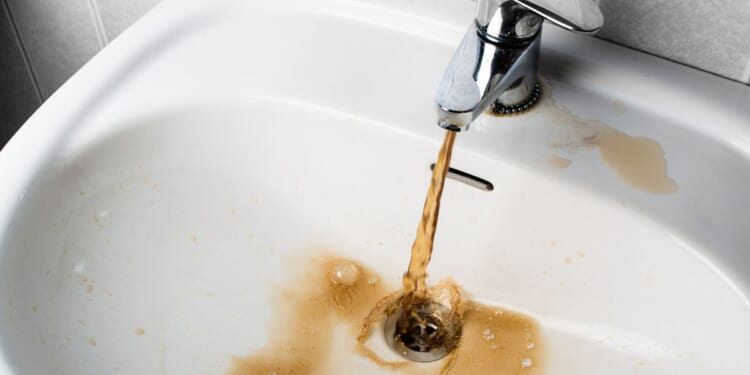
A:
[427,334]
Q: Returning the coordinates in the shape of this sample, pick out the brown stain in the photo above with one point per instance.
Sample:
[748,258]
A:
[492,110]
[374,322]
[341,292]
[139,331]
[558,162]
[90,288]
[638,161]
[305,315]
[498,341]
[92,342]
[308,308]
[493,340]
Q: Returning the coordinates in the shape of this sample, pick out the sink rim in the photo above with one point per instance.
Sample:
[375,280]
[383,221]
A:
[47,128]
[38,141]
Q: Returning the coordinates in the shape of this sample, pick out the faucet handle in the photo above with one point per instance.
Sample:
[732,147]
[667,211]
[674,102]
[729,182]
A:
[514,21]
[582,16]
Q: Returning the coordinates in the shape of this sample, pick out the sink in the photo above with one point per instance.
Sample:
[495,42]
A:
[152,205]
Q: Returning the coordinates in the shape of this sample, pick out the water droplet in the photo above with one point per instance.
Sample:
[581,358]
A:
[373,280]
[488,335]
[79,267]
[526,363]
[344,274]
[102,215]
[530,345]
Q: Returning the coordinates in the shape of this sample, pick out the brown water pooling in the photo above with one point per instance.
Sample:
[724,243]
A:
[305,312]
[479,339]
[334,293]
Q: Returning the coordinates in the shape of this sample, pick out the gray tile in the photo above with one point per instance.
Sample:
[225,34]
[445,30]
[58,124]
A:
[118,15]
[59,37]
[713,35]
[18,96]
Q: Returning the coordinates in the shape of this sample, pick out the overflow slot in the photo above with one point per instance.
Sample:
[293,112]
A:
[468,178]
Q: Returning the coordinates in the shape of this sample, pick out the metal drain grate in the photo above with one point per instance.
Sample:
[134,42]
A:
[428,334]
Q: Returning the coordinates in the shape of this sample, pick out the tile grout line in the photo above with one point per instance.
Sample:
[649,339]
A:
[96,18]
[746,73]
[24,54]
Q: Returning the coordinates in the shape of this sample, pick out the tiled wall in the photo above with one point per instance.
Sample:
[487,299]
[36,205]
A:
[43,42]
[18,95]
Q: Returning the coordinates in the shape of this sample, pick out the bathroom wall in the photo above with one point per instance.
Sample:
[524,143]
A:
[43,42]
[712,35]
[18,96]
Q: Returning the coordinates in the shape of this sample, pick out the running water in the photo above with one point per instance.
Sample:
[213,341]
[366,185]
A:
[414,280]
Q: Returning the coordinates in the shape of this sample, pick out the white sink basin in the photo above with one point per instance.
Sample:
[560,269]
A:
[149,208]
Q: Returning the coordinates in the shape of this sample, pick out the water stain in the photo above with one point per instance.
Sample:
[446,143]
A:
[559,162]
[334,294]
[497,341]
[638,161]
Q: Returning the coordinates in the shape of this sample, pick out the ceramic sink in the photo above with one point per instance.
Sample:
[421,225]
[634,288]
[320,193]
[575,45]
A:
[151,205]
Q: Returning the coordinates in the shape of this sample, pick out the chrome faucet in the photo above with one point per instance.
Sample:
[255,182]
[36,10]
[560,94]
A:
[496,63]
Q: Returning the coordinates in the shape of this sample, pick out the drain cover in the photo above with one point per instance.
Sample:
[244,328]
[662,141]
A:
[427,334]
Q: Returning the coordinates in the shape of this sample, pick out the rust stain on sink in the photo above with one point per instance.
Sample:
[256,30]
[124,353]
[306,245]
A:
[640,162]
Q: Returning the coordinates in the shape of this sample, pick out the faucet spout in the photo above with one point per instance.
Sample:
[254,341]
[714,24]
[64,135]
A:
[497,60]
[482,73]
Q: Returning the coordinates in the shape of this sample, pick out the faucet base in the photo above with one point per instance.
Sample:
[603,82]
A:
[519,98]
